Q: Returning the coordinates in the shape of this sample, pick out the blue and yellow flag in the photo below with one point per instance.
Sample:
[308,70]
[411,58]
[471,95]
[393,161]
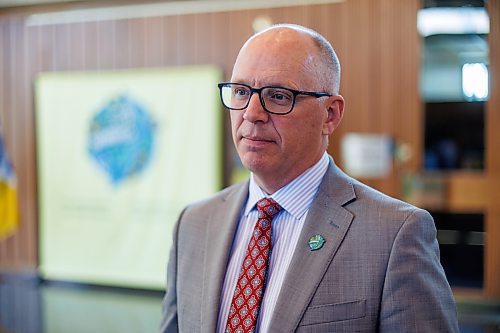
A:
[9,214]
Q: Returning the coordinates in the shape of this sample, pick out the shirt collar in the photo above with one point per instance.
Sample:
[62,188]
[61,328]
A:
[295,197]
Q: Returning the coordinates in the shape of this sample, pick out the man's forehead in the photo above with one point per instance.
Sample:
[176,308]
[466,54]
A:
[282,45]
[276,56]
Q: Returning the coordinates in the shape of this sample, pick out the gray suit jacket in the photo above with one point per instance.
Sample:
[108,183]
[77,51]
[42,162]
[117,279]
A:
[378,270]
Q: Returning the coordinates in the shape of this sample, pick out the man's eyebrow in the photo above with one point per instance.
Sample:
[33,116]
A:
[267,84]
[241,81]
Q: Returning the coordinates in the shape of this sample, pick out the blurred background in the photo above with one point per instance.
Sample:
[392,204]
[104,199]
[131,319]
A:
[110,124]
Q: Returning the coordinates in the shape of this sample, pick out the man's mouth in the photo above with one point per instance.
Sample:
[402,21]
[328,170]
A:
[257,138]
[256,141]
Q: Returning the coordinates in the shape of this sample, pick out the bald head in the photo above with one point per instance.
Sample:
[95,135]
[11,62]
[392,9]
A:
[296,66]
[298,41]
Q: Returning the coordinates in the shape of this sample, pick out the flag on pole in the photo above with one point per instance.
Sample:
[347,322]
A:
[9,214]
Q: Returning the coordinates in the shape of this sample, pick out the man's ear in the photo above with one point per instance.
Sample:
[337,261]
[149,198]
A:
[335,110]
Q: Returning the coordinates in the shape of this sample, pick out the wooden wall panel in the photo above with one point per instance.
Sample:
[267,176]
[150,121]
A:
[380,55]
[376,41]
[17,126]
[492,257]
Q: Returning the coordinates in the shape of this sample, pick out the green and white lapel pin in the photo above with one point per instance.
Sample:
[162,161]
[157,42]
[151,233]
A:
[316,242]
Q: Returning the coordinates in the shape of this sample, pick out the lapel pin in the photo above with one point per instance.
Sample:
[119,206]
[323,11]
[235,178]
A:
[316,242]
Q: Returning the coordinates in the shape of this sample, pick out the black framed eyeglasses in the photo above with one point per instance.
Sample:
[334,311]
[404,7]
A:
[274,99]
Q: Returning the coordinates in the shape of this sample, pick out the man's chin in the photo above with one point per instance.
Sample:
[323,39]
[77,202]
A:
[256,162]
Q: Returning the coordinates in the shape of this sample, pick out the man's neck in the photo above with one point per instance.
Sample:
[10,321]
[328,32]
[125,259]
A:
[272,183]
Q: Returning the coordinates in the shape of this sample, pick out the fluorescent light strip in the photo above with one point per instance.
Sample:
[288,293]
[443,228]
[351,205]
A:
[453,20]
[162,9]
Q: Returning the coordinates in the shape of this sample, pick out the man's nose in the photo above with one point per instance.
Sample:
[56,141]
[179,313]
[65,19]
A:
[255,111]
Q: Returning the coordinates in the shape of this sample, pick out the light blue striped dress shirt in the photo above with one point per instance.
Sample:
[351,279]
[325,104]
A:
[295,198]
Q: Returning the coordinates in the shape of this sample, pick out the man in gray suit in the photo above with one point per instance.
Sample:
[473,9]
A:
[339,257]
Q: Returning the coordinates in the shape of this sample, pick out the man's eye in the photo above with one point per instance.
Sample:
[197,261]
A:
[280,97]
[240,92]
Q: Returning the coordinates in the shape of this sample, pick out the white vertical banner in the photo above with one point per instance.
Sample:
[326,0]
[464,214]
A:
[119,155]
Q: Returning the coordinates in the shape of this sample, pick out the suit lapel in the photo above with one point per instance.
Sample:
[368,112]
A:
[328,218]
[221,227]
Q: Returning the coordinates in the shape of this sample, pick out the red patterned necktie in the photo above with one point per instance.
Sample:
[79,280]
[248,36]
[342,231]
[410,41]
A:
[249,290]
